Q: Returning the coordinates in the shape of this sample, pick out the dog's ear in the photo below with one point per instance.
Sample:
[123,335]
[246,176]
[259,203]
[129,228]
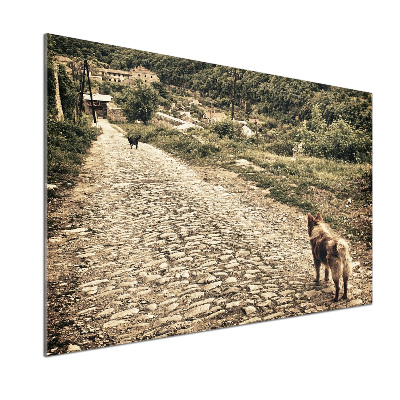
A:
[311,220]
[319,217]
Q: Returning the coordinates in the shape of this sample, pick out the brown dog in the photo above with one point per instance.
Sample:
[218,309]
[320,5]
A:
[331,251]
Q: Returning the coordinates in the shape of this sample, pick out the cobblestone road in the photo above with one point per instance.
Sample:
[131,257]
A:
[147,247]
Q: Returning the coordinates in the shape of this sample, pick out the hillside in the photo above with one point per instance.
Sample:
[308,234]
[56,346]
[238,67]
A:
[282,103]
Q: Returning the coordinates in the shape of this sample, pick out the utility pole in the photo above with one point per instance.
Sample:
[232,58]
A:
[86,70]
[90,91]
[233,94]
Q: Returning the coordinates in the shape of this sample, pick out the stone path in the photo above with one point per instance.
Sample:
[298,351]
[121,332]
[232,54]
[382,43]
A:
[148,247]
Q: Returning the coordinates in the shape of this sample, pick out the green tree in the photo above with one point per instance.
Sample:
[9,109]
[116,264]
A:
[51,90]
[67,93]
[115,64]
[161,89]
[317,123]
[140,102]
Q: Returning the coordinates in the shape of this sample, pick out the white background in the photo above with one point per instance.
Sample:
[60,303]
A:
[345,354]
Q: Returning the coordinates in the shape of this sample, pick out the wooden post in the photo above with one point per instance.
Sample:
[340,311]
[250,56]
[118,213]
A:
[233,94]
[90,91]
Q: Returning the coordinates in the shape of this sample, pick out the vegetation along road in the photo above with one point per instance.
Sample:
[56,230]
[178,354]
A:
[146,246]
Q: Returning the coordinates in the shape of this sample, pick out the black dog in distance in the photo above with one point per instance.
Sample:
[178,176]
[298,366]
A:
[134,141]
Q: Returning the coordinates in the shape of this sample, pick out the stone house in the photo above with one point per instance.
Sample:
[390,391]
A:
[127,77]
[115,75]
[144,74]
[100,104]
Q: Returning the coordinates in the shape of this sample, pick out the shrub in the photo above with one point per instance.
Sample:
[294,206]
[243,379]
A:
[346,143]
[227,128]
[270,123]
[281,147]
[189,147]
[204,150]
[196,111]
[67,142]
[175,113]
[339,141]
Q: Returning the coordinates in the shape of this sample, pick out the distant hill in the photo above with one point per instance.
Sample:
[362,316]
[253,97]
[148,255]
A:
[283,101]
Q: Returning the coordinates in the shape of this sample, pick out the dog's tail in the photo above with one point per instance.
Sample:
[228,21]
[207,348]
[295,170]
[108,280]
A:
[345,258]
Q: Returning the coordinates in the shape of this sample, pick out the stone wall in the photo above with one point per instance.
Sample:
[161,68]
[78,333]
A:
[60,114]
